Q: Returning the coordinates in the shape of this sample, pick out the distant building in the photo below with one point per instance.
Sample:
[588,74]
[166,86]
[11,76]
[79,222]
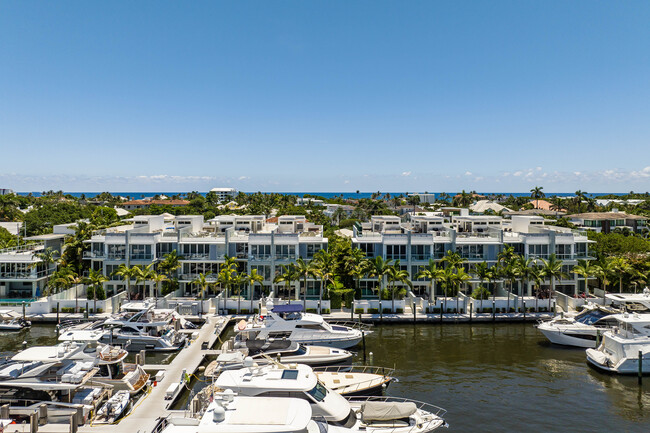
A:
[482,206]
[224,194]
[605,222]
[5,191]
[424,197]
[13,227]
[145,204]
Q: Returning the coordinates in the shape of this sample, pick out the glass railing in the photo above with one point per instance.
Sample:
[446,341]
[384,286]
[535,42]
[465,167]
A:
[115,256]
[141,256]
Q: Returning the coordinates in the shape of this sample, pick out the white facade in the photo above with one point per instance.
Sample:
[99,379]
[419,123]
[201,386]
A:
[224,194]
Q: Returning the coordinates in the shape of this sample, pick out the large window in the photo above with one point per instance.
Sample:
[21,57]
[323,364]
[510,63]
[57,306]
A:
[368,249]
[539,251]
[581,250]
[260,252]
[141,252]
[196,251]
[420,252]
[395,252]
[470,252]
[283,252]
[563,251]
[312,249]
[263,270]
[439,251]
[116,252]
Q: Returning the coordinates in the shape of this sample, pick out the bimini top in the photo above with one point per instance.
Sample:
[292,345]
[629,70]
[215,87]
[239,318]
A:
[289,308]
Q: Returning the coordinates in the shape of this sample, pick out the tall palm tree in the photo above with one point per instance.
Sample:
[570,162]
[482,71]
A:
[158,279]
[127,274]
[239,279]
[95,279]
[378,268]
[254,277]
[585,269]
[394,275]
[48,257]
[536,193]
[537,277]
[432,273]
[170,263]
[355,266]
[303,271]
[604,270]
[142,275]
[452,259]
[552,269]
[287,275]
[324,269]
[622,268]
[580,196]
[204,284]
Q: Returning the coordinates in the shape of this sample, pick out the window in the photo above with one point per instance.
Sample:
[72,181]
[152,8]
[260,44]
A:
[260,252]
[312,249]
[540,251]
[439,251]
[196,251]
[285,251]
[319,392]
[420,252]
[141,252]
[470,252]
[581,249]
[368,249]
[264,270]
[116,252]
[395,252]
[563,251]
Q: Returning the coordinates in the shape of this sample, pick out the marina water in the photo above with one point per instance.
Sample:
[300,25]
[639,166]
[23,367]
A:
[501,377]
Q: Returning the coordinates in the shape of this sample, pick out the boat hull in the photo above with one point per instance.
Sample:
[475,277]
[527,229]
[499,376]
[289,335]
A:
[629,366]
[584,339]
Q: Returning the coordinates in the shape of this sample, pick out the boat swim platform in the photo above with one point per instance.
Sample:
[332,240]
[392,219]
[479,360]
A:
[145,413]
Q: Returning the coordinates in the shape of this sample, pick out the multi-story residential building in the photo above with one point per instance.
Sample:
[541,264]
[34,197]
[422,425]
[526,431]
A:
[252,241]
[23,273]
[145,204]
[224,194]
[476,238]
[606,222]
[6,191]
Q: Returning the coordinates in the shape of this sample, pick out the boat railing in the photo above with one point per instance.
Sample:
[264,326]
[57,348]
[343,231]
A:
[369,369]
[321,422]
[352,324]
[422,406]
[161,424]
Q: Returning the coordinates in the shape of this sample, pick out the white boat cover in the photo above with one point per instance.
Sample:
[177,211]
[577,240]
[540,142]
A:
[597,356]
[386,411]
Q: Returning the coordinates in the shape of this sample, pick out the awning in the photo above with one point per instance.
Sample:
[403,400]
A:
[289,308]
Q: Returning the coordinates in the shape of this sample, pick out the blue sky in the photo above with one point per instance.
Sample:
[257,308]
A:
[325,96]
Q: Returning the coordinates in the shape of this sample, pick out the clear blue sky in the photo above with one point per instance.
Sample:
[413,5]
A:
[325,96]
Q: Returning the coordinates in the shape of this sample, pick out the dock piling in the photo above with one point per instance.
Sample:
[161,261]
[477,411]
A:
[640,367]
[494,311]
[414,312]
[524,311]
[363,338]
[4,411]
[33,422]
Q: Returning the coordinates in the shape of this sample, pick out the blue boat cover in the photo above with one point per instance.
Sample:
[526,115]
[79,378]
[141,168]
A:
[289,308]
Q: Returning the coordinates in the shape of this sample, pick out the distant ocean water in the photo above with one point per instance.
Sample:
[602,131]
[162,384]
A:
[351,195]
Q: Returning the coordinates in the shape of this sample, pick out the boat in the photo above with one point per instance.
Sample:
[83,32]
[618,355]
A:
[284,351]
[109,359]
[290,323]
[370,414]
[9,322]
[581,329]
[231,413]
[355,380]
[113,409]
[624,346]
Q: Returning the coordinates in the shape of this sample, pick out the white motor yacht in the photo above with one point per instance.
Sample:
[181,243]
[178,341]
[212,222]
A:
[581,329]
[376,414]
[10,322]
[620,348]
[355,380]
[290,323]
[278,350]
[109,359]
[113,408]
[229,413]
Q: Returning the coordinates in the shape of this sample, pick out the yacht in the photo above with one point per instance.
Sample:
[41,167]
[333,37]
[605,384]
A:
[620,348]
[355,380]
[376,414]
[230,413]
[262,352]
[290,323]
[9,321]
[109,360]
[113,408]
[581,329]
[142,330]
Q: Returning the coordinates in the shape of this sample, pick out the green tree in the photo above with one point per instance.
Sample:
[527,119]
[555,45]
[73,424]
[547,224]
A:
[552,269]
[96,280]
[127,274]
[537,193]
[254,277]
[432,273]
[585,269]
[397,275]
[378,268]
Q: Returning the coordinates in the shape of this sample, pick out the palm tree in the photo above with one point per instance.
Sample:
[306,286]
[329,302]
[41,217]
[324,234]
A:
[396,275]
[453,259]
[536,276]
[536,193]
[603,270]
[324,269]
[204,284]
[585,269]
[287,276]
[142,275]
[170,263]
[95,279]
[47,257]
[580,196]
[253,278]
[229,265]
[621,268]
[127,274]
[239,280]
[158,279]
[303,271]
[378,268]
[552,269]
[432,273]
[355,266]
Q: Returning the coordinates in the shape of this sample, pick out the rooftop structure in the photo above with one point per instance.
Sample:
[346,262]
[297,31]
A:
[224,194]
[144,204]
[605,222]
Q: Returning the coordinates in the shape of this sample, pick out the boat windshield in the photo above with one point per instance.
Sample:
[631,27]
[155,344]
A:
[591,317]
[319,392]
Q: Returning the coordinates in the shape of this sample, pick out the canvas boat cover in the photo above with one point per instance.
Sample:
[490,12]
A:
[259,345]
[386,411]
[289,308]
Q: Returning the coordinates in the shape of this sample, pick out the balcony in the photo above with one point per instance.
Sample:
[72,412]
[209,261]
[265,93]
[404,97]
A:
[395,256]
[115,256]
[260,257]
[196,256]
[94,255]
[421,257]
[285,257]
[141,256]
[25,275]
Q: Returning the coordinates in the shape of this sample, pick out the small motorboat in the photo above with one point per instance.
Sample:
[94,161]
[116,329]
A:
[355,380]
[113,408]
[14,324]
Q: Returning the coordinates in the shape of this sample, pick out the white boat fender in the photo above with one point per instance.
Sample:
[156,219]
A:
[219,413]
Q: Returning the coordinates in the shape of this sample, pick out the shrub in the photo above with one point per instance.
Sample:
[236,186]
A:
[373,310]
[312,310]
[487,310]
[325,310]
[232,311]
[256,311]
[386,311]
[244,310]
[399,310]
[451,310]
[358,311]
[512,309]
[68,309]
[435,310]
